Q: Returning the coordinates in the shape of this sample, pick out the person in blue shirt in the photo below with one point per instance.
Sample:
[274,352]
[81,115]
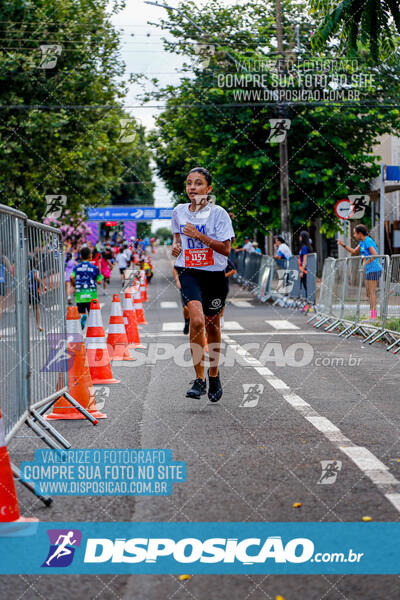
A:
[305,249]
[373,270]
[85,277]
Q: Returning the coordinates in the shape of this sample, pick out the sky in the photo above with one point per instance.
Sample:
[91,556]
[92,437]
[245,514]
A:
[142,51]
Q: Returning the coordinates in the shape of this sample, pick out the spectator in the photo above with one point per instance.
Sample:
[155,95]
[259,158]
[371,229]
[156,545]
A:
[367,247]
[305,249]
[34,290]
[69,267]
[105,269]
[281,249]
[246,246]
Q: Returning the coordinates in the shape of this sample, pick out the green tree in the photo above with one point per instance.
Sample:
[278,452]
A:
[209,122]
[163,233]
[60,107]
[370,24]
[137,186]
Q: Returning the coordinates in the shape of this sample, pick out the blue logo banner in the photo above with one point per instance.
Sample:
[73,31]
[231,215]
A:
[208,548]
[128,213]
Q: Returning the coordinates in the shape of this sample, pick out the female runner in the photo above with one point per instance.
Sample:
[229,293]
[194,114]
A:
[202,242]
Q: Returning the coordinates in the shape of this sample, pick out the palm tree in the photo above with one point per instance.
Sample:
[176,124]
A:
[371,22]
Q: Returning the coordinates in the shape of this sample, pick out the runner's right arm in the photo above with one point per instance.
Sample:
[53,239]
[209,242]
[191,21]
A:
[178,283]
[176,245]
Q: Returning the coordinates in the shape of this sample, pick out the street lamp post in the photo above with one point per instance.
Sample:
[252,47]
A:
[283,147]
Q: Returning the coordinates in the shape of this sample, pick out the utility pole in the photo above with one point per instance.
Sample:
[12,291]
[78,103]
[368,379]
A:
[283,147]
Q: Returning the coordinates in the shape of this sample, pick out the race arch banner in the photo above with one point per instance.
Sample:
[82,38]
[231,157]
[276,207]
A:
[128,213]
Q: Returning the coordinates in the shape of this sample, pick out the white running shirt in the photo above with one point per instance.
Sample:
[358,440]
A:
[213,221]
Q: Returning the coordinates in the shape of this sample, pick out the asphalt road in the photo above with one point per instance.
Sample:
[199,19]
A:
[249,457]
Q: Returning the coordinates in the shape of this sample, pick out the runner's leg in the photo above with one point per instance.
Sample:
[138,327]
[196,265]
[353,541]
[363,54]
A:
[214,342]
[197,341]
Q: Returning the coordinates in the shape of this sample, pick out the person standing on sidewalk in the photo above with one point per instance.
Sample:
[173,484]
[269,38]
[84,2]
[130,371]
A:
[202,242]
[305,249]
[367,247]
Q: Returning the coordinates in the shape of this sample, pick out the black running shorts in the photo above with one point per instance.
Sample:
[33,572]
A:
[208,287]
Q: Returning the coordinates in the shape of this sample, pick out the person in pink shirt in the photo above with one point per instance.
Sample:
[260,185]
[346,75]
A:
[105,269]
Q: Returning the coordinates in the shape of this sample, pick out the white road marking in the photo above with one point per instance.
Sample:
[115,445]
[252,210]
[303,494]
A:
[232,326]
[172,326]
[281,324]
[364,459]
[377,472]
[280,333]
[169,304]
[177,326]
[266,334]
[322,424]
[242,304]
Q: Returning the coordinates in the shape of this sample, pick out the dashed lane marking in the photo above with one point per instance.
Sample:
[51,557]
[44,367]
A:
[177,326]
[169,304]
[241,304]
[368,463]
[281,324]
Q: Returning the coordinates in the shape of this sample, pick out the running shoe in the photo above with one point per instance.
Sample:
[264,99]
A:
[83,321]
[214,388]
[187,326]
[199,388]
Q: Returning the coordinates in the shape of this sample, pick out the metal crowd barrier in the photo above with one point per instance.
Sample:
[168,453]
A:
[342,302]
[14,340]
[276,279]
[33,342]
[348,287]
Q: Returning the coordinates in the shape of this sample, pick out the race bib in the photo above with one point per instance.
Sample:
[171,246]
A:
[199,257]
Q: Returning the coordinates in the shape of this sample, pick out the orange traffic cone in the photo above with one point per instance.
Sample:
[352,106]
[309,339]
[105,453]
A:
[96,347]
[131,327]
[9,507]
[80,381]
[139,308]
[142,287]
[117,341]
[205,344]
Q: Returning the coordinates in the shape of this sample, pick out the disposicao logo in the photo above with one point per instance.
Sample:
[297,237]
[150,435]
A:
[63,543]
[190,550]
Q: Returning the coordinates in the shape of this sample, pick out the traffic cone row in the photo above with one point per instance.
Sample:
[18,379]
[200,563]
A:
[117,340]
[130,320]
[80,380]
[89,363]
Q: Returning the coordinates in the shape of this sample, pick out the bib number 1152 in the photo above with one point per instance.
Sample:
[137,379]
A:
[199,257]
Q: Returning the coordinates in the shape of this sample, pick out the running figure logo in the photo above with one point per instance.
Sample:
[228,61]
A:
[279,129]
[128,131]
[63,543]
[50,54]
[101,395]
[59,359]
[330,471]
[252,393]
[204,53]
